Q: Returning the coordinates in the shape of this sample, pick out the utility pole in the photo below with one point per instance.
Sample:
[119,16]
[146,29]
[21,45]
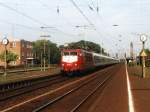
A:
[49,55]
[44,55]
[44,47]
[41,61]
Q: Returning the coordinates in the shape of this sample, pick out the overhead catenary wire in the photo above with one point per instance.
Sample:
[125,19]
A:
[100,17]
[31,18]
[93,4]
[68,22]
[20,25]
[40,22]
[57,10]
[23,14]
[97,8]
[88,20]
[81,12]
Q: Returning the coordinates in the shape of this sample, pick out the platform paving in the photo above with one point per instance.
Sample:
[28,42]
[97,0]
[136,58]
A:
[141,93]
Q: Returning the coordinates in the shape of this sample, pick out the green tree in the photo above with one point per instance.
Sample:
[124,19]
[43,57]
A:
[147,51]
[52,52]
[86,45]
[10,56]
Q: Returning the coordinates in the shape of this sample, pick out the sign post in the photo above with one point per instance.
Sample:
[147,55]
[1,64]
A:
[5,42]
[143,38]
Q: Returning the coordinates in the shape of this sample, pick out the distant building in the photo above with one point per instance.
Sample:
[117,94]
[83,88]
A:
[131,51]
[22,48]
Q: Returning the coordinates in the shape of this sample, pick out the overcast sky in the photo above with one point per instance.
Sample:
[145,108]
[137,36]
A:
[22,19]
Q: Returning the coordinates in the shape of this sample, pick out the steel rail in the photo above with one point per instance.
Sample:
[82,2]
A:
[62,96]
[91,93]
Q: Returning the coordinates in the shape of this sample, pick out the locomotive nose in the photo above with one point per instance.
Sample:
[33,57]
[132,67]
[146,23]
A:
[69,63]
[70,67]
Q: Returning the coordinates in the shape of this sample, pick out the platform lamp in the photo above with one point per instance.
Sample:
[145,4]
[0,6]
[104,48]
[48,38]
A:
[5,42]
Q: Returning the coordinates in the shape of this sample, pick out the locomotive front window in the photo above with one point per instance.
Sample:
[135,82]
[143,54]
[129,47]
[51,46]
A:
[70,53]
[73,53]
[66,53]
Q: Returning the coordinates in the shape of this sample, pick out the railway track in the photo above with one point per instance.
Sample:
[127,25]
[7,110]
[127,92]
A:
[92,84]
[89,83]
[52,97]
[52,102]
[29,87]
[28,93]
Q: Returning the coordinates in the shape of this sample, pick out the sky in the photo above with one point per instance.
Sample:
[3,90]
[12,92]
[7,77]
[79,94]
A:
[114,25]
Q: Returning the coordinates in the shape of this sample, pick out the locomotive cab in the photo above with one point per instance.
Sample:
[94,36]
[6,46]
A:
[70,61]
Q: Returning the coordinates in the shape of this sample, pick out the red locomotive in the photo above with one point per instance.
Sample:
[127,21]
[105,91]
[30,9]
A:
[77,60]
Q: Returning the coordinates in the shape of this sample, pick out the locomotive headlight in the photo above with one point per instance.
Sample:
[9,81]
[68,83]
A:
[80,54]
[62,64]
[75,64]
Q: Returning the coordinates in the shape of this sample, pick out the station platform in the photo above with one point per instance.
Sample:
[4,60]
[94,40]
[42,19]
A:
[19,76]
[118,97]
[140,88]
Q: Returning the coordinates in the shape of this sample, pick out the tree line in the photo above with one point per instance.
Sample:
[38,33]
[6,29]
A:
[53,51]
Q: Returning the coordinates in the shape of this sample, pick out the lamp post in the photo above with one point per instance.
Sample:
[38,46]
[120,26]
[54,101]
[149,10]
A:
[143,39]
[5,42]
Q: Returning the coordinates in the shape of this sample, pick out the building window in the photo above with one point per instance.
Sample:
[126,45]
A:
[22,53]
[27,54]
[22,44]
[11,45]
[14,44]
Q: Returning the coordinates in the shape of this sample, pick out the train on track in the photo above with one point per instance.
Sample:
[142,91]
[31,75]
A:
[76,61]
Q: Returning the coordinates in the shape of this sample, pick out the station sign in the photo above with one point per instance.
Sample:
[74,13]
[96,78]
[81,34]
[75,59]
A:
[143,53]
